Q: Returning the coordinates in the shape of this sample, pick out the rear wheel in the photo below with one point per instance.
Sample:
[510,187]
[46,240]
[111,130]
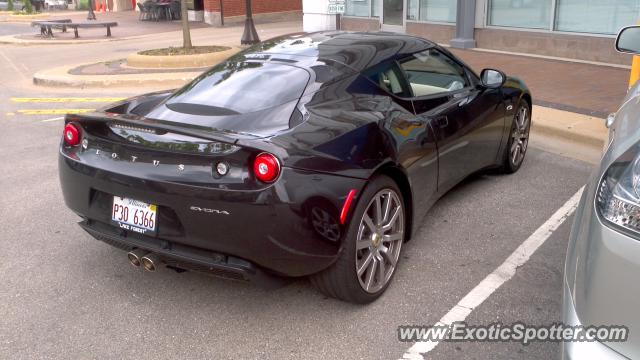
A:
[371,248]
[518,143]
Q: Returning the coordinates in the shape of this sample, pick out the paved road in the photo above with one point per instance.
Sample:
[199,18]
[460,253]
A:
[16,28]
[65,295]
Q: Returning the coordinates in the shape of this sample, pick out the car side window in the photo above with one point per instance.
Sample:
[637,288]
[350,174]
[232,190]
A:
[388,76]
[431,72]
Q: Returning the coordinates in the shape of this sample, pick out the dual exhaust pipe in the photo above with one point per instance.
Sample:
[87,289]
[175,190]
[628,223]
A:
[139,257]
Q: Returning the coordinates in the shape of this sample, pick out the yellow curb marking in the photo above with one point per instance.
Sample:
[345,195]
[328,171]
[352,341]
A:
[54,111]
[10,114]
[71,99]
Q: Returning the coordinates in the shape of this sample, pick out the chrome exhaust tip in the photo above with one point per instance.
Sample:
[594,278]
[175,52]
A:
[150,262]
[135,256]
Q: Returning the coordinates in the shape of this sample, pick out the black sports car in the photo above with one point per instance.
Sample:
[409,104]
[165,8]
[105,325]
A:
[308,154]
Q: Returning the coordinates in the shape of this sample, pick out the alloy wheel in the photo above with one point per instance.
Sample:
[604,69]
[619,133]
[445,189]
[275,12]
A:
[324,224]
[520,136]
[379,240]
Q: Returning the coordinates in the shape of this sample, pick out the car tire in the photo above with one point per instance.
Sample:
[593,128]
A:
[514,153]
[343,280]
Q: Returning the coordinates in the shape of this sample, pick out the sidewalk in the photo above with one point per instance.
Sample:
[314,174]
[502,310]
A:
[576,87]
[128,26]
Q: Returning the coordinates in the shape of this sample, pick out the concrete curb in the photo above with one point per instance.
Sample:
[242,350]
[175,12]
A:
[179,61]
[60,77]
[577,128]
[12,40]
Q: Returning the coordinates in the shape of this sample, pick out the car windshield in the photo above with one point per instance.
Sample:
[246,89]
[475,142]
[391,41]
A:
[240,87]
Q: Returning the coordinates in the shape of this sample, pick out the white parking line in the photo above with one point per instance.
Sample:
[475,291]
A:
[499,276]
[54,119]
[13,65]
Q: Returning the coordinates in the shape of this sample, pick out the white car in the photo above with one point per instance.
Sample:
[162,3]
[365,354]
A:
[55,4]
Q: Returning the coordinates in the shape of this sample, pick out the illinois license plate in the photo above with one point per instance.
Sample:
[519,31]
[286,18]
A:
[134,215]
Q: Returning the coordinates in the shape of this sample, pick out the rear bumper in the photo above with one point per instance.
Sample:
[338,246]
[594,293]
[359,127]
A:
[271,230]
[184,257]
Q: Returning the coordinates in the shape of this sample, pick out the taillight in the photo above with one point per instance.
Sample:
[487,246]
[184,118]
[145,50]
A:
[72,134]
[266,167]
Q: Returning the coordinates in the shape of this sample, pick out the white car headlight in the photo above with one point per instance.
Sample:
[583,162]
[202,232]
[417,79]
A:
[618,196]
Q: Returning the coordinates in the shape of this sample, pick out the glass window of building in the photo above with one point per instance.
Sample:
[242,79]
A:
[596,16]
[362,8]
[532,14]
[375,8]
[432,10]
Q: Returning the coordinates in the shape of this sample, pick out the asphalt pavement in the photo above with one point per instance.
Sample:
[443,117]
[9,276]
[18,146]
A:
[66,295]
[16,28]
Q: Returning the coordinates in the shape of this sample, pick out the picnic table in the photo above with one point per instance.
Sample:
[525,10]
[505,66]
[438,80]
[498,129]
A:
[159,10]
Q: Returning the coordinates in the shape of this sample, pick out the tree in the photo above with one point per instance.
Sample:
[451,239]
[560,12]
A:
[186,33]
[10,5]
[28,7]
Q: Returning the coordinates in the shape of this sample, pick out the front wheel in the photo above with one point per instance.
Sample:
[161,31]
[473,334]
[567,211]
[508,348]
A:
[518,143]
[371,248]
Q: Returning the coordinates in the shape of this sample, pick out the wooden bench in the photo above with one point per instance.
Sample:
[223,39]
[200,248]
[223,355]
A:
[45,30]
[75,26]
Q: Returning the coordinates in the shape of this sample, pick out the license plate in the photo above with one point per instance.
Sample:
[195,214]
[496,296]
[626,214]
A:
[134,215]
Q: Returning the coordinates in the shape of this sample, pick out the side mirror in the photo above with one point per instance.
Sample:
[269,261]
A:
[492,78]
[628,40]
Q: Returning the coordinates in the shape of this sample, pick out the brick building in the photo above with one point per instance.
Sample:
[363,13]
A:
[214,12]
[577,29]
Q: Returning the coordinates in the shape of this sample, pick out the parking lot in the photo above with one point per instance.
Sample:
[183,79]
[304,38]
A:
[64,295]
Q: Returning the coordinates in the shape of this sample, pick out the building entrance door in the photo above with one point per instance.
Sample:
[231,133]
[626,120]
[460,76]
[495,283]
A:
[393,15]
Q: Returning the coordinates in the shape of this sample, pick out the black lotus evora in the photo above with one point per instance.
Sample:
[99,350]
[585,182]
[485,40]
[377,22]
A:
[309,154]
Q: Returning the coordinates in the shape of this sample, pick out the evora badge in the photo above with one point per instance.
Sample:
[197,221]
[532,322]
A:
[210,211]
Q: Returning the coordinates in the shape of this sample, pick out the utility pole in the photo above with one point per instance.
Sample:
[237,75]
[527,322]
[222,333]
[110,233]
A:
[250,35]
[221,12]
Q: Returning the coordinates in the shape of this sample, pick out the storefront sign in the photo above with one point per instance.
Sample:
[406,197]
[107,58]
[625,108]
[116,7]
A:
[336,7]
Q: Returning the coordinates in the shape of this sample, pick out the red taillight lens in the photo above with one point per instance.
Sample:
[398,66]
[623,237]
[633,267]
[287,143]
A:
[72,134]
[347,205]
[266,167]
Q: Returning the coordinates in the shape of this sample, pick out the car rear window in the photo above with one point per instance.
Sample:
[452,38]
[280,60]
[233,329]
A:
[239,88]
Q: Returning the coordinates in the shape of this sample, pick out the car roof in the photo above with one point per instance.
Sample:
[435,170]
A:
[356,50]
